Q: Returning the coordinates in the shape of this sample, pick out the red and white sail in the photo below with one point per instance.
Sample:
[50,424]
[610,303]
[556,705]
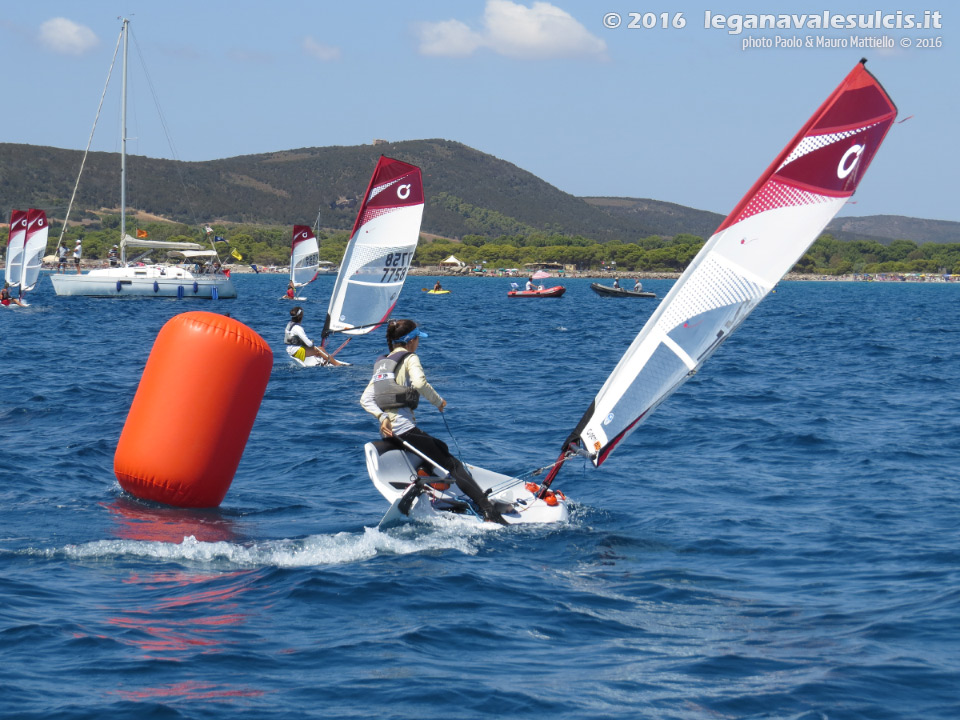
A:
[14,256]
[304,256]
[34,246]
[764,236]
[380,250]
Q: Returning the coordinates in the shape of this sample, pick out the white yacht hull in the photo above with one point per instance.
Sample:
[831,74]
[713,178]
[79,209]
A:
[147,281]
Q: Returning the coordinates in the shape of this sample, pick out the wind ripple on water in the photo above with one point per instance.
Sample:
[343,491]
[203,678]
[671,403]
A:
[778,541]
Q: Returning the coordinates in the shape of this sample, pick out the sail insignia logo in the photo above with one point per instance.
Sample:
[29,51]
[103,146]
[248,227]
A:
[608,419]
[844,169]
[403,191]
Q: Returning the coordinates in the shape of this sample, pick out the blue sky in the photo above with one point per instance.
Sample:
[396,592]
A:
[684,115]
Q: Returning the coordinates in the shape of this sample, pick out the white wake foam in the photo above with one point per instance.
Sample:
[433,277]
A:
[314,550]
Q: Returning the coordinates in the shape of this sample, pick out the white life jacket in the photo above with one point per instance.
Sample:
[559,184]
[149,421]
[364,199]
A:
[291,338]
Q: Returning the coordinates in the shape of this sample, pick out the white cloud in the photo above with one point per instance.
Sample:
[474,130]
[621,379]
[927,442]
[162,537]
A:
[67,37]
[450,38]
[320,51]
[541,31]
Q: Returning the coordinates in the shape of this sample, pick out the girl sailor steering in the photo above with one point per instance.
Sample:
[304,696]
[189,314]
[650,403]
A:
[392,394]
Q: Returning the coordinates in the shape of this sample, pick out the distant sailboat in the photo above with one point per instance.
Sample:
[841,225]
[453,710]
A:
[378,255]
[34,246]
[26,245]
[304,258]
[156,280]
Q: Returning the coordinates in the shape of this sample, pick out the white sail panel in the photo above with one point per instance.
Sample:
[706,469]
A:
[702,309]
[373,271]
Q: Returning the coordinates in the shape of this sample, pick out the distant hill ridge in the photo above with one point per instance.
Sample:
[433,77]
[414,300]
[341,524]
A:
[468,192]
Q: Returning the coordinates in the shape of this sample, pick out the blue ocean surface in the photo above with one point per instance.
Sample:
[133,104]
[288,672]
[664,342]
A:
[781,539]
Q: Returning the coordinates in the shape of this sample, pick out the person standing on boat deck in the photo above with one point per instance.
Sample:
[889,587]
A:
[298,344]
[291,291]
[403,339]
[77,252]
[638,286]
[62,259]
[113,256]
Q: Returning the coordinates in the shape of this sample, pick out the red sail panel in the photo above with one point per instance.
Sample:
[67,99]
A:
[394,184]
[18,224]
[36,221]
[300,234]
[830,154]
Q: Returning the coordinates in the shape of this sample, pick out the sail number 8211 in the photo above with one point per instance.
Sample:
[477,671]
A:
[395,266]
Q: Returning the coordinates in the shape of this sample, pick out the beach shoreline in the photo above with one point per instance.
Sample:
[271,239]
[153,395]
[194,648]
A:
[435,271]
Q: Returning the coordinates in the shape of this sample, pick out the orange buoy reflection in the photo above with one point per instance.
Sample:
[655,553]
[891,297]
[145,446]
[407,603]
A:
[139,521]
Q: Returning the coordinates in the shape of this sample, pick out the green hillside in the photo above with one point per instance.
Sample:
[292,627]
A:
[469,193]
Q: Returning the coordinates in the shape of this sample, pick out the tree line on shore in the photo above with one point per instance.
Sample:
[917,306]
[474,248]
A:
[270,245]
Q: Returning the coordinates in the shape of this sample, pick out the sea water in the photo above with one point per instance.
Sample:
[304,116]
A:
[781,539]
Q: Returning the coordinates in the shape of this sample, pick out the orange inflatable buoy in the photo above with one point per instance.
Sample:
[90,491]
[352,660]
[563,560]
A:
[193,411]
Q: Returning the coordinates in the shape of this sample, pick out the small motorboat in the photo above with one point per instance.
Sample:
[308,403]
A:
[608,291]
[555,291]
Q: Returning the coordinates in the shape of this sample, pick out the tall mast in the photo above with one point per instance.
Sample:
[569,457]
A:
[123,152]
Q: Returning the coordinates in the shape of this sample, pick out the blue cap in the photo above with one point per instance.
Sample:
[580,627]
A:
[416,332]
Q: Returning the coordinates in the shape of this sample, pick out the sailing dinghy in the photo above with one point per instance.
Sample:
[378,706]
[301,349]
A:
[26,245]
[764,236]
[378,254]
[34,246]
[15,248]
[304,259]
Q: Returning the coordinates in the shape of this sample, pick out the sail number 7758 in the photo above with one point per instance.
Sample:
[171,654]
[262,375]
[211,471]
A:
[395,266]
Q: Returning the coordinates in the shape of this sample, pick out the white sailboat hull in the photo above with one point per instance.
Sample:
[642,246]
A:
[147,281]
[392,470]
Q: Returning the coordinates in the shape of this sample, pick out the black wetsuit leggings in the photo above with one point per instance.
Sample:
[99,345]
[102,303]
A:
[438,451]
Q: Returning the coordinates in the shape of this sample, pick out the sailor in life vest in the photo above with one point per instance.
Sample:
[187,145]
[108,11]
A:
[394,391]
[299,346]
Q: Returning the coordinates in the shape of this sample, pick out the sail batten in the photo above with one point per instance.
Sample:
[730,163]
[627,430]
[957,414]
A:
[381,247]
[763,237]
